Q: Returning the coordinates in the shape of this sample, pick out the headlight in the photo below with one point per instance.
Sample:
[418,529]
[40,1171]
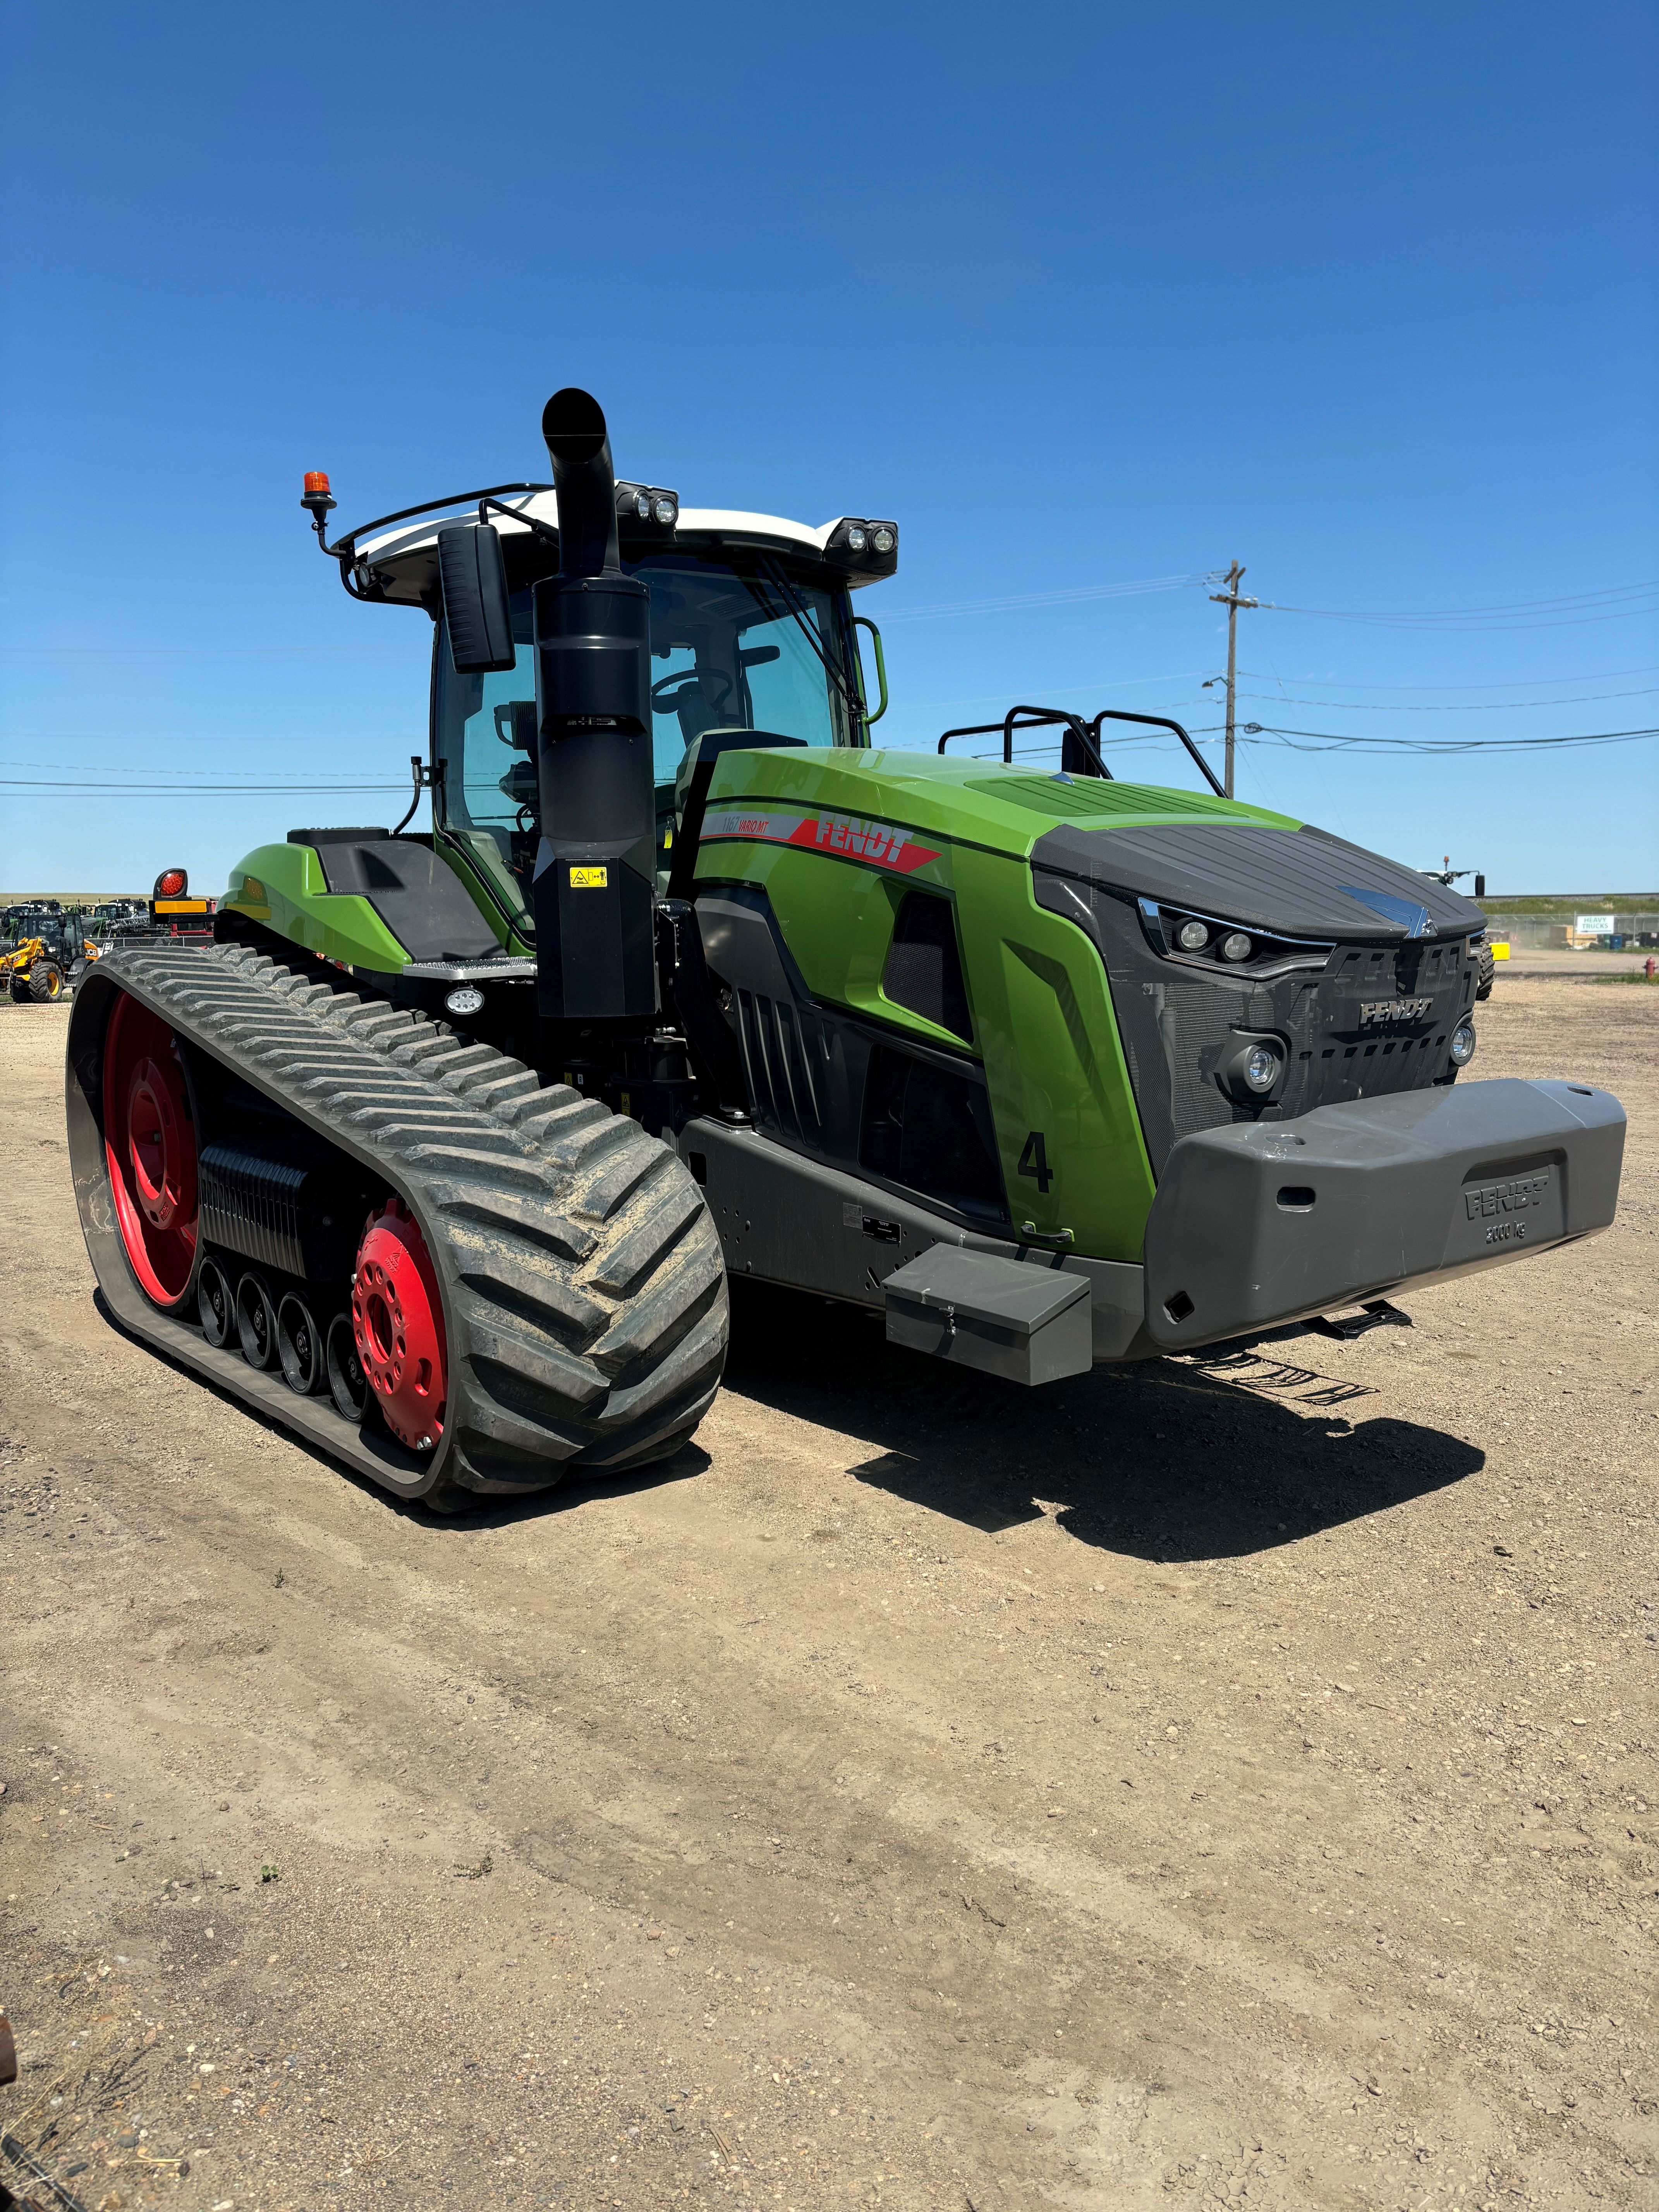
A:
[855,537]
[1463,1044]
[1254,1069]
[883,539]
[464,999]
[1212,941]
[640,502]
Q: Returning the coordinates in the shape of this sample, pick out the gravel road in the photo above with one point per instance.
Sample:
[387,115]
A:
[1202,1781]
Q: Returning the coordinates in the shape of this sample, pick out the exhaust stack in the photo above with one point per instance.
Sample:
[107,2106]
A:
[595,877]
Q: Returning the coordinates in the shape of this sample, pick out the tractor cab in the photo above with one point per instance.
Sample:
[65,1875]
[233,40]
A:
[751,631]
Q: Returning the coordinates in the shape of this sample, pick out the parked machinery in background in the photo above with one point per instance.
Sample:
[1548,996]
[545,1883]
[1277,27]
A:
[113,918]
[46,955]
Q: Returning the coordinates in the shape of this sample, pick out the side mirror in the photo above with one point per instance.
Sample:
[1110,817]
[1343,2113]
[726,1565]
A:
[515,724]
[472,576]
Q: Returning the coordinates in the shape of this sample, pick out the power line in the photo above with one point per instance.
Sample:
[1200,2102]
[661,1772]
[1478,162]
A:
[1449,627]
[1011,603]
[160,775]
[1500,607]
[1336,741]
[37,788]
[1044,691]
[1068,597]
[1424,707]
[1492,683]
[184,651]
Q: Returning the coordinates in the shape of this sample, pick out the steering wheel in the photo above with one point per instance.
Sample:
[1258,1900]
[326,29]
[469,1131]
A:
[663,691]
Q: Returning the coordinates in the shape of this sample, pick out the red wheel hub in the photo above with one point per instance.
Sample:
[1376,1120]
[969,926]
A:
[149,1150]
[398,1323]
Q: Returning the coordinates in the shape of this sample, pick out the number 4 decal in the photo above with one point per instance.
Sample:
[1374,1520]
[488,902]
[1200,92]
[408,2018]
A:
[1034,1160]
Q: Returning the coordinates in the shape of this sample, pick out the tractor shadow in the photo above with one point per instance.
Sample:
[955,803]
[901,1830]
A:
[1167,1460]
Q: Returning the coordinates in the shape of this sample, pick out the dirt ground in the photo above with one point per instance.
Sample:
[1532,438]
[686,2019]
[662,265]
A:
[1197,1783]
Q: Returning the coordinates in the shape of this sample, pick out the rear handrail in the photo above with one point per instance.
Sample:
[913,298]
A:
[1088,736]
[1163,722]
[1036,718]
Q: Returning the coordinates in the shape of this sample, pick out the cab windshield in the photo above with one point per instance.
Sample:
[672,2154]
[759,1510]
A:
[732,648]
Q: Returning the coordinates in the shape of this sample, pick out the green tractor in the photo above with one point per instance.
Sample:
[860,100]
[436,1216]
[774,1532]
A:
[444,1151]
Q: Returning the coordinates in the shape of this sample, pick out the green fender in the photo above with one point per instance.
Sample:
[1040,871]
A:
[283,889]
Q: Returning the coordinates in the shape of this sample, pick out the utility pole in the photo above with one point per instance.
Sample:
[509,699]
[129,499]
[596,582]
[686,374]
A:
[1230,600]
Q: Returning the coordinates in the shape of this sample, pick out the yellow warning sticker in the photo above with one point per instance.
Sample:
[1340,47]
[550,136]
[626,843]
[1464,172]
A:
[589,879]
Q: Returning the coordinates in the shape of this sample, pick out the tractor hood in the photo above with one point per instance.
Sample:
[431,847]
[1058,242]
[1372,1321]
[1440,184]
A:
[1297,883]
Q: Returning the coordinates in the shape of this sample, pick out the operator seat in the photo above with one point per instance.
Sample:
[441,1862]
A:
[698,705]
[696,772]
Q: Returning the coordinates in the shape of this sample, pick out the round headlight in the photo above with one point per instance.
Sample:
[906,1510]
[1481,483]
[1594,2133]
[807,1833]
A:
[1193,936]
[1235,945]
[1262,1067]
[665,510]
[882,539]
[642,506]
[1463,1044]
[856,539]
[464,999]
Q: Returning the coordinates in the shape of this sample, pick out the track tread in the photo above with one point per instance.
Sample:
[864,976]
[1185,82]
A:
[649,1325]
[667,1209]
[586,1288]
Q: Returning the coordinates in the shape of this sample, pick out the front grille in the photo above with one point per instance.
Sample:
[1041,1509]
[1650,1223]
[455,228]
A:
[1337,1028]
[780,1043]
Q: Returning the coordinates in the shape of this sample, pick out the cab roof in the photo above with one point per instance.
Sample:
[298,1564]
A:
[401,563]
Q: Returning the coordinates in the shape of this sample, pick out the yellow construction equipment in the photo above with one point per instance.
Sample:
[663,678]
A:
[38,974]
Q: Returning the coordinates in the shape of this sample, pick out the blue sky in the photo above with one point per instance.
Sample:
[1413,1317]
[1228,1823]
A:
[1082,296]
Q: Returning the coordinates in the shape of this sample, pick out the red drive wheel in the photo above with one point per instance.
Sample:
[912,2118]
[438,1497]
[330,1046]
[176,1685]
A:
[149,1151]
[398,1325]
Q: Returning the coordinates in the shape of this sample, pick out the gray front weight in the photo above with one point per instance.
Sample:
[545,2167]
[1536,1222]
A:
[1273,1221]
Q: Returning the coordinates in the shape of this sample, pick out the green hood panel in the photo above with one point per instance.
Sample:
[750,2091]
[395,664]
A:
[838,841]
[1002,809]
[282,888]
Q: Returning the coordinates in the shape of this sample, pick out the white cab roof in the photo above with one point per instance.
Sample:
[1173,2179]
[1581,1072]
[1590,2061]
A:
[404,557]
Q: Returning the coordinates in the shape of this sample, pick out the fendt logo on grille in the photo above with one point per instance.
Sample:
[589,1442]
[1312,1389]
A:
[1379,1014]
[1506,1197]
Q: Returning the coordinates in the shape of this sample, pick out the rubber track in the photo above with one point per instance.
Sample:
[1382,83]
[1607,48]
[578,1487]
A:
[584,1287]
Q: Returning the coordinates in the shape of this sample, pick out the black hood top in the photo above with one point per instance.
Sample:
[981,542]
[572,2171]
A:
[1296,882]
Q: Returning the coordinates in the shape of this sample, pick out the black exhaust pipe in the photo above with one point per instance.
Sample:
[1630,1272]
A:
[595,879]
